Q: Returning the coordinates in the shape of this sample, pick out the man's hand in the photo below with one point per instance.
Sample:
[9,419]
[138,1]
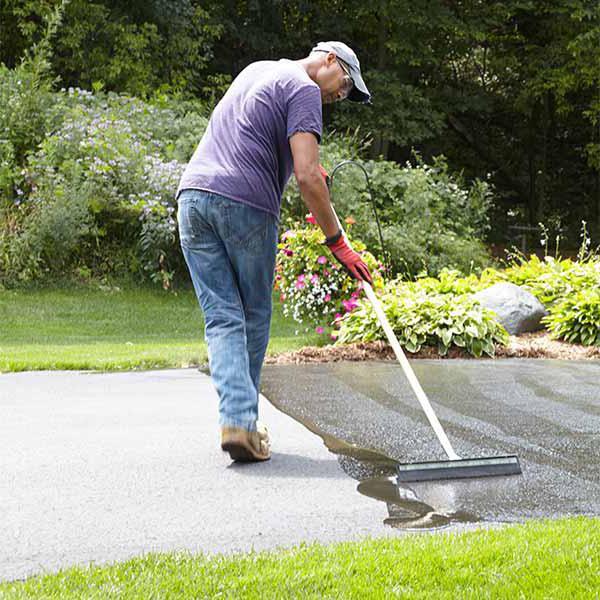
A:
[348,258]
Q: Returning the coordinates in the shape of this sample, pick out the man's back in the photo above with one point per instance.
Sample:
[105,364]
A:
[245,153]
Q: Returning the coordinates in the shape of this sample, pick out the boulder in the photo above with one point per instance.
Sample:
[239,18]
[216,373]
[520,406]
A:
[518,310]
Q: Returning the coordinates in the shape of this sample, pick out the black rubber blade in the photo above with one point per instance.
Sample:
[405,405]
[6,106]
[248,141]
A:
[459,469]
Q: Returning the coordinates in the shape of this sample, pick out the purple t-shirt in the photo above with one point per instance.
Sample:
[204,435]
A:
[245,152]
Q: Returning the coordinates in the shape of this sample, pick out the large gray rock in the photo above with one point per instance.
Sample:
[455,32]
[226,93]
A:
[517,309]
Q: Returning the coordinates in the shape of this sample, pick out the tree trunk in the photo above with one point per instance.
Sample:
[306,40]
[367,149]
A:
[532,200]
[380,145]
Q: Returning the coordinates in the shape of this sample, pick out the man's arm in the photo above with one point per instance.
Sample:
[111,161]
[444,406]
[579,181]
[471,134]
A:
[305,152]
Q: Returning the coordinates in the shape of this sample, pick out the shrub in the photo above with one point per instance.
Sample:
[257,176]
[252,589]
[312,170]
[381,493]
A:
[420,318]
[116,162]
[576,318]
[429,218]
[550,279]
[313,287]
[451,281]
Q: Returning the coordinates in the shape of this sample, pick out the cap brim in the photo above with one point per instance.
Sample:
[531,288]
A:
[359,92]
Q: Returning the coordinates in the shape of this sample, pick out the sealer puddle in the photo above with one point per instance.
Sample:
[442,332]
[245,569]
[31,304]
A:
[375,471]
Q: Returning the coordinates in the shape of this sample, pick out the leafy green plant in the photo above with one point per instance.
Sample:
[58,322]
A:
[421,318]
[552,278]
[576,318]
[451,281]
[429,218]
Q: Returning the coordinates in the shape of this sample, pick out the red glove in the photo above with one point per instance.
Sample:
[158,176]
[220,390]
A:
[325,175]
[348,258]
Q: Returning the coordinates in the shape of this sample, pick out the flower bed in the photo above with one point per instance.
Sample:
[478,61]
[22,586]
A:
[436,315]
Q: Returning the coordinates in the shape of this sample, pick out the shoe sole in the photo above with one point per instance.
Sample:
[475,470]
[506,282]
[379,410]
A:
[241,453]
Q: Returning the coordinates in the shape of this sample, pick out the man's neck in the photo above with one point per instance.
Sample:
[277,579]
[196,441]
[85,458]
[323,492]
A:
[311,65]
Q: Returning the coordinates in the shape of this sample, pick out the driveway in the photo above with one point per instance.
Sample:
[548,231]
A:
[545,411]
[103,467]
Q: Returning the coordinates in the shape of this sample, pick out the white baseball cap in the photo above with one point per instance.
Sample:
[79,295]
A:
[359,91]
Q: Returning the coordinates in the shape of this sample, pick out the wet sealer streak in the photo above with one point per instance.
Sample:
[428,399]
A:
[545,411]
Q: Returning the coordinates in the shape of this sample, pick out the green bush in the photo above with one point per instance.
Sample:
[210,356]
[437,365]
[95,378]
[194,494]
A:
[99,191]
[550,279]
[421,318]
[429,219]
[576,318]
[451,281]
[314,289]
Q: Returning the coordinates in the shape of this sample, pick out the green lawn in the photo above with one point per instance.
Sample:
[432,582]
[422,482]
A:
[549,559]
[88,328]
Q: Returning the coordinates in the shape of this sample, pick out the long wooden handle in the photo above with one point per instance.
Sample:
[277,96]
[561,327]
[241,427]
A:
[410,374]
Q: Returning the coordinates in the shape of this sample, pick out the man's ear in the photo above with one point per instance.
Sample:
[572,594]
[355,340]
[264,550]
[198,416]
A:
[330,58]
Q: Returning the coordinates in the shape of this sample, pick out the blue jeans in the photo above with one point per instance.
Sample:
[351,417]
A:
[230,249]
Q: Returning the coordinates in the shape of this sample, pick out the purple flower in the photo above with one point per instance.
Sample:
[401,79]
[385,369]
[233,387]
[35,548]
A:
[314,279]
[289,253]
[319,329]
[322,260]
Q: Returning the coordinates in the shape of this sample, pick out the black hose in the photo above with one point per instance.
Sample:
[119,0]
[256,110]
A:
[370,191]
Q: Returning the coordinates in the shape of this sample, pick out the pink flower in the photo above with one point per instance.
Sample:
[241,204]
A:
[322,260]
[337,317]
[281,297]
[301,277]
[334,335]
[326,273]
[311,219]
[278,277]
[288,234]
[327,297]
[299,285]
[314,279]
[349,305]
[319,329]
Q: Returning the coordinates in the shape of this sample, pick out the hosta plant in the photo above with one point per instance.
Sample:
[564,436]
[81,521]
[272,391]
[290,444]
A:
[550,279]
[576,318]
[419,319]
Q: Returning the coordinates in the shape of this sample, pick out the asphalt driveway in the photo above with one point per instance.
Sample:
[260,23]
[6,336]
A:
[102,467]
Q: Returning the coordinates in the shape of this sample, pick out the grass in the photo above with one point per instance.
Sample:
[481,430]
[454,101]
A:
[543,559]
[76,327]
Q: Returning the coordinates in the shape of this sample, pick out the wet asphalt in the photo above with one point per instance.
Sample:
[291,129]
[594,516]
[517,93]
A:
[545,411]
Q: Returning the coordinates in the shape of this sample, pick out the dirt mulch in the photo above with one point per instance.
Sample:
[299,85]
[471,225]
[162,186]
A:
[529,345]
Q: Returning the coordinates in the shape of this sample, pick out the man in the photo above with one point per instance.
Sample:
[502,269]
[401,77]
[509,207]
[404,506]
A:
[268,122]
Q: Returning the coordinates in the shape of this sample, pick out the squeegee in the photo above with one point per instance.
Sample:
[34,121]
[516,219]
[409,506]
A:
[455,467]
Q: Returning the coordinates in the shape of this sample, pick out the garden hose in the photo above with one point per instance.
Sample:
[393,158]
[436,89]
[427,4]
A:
[384,255]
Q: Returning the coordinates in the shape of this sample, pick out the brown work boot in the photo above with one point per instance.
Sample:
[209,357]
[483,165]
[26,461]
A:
[246,446]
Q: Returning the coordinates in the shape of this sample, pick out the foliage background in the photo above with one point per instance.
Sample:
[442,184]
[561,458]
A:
[510,89]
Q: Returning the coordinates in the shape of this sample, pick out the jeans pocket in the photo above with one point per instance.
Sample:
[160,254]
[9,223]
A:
[194,231]
[247,227]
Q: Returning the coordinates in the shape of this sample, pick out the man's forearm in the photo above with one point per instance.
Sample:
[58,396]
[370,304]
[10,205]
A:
[316,197]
